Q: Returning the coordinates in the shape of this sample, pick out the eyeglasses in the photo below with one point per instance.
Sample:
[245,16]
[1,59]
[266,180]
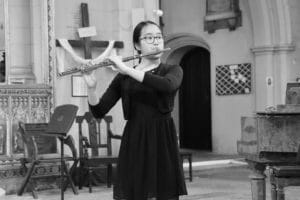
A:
[150,38]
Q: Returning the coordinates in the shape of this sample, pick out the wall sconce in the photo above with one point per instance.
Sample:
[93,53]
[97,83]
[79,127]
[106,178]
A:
[158,13]
[232,23]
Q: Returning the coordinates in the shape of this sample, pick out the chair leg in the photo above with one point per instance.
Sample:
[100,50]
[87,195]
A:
[273,192]
[80,176]
[31,186]
[26,180]
[34,194]
[190,168]
[280,193]
[109,175]
[71,171]
[90,180]
[69,179]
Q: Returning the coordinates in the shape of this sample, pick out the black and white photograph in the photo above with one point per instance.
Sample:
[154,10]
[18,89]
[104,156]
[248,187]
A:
[150,99]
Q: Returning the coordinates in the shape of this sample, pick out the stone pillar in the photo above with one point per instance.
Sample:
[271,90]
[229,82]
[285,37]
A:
[37,40]
[272,49]
[258,183]
[271,74]
[19,39]
[150,7]
[258,186]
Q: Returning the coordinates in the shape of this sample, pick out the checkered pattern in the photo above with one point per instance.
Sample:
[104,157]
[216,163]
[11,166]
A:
[233,79]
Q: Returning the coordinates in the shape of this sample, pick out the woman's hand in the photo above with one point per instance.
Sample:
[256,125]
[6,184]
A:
[118,64]
[90,77]
[124,69]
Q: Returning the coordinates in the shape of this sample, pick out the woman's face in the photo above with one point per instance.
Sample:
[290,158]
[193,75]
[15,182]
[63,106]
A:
[151,40]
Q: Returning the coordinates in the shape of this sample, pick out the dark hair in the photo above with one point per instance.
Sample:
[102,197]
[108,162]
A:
[137,32]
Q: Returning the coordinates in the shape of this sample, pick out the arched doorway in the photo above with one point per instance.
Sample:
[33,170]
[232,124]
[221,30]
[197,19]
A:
[192,112]
[195,100]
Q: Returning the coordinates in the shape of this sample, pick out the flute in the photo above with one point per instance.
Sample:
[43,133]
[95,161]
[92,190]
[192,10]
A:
[108,63]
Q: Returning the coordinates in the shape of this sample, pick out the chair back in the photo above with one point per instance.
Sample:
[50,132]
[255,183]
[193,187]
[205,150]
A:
[99,135]
[31,149]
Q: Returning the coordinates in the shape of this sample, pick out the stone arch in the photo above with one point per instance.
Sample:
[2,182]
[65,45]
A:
[271,22]
[272,36]
[180,43]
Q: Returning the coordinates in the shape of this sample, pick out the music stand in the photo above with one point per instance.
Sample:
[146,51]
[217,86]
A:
[59,125]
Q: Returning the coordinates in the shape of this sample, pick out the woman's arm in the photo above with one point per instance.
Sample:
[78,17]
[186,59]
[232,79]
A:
[169,82]
[124,69]
[100,106]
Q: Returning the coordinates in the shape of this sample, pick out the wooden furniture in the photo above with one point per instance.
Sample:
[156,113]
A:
[32,101]
[222,14]
[184,154]
[21,103]
[268,139]
[98,139]
[27,103]
[284,176]
[58,126]
[281,177]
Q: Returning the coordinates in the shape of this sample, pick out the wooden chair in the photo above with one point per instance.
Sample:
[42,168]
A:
[90,159]
[284,176]
[33,158]
[59,124]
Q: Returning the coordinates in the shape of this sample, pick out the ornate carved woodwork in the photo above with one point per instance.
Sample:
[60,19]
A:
[21,103]
[28,103]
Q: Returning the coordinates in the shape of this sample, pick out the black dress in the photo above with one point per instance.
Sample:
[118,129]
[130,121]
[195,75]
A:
[149,164]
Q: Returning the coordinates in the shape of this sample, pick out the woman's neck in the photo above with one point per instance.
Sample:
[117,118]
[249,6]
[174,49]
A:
[147,64]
